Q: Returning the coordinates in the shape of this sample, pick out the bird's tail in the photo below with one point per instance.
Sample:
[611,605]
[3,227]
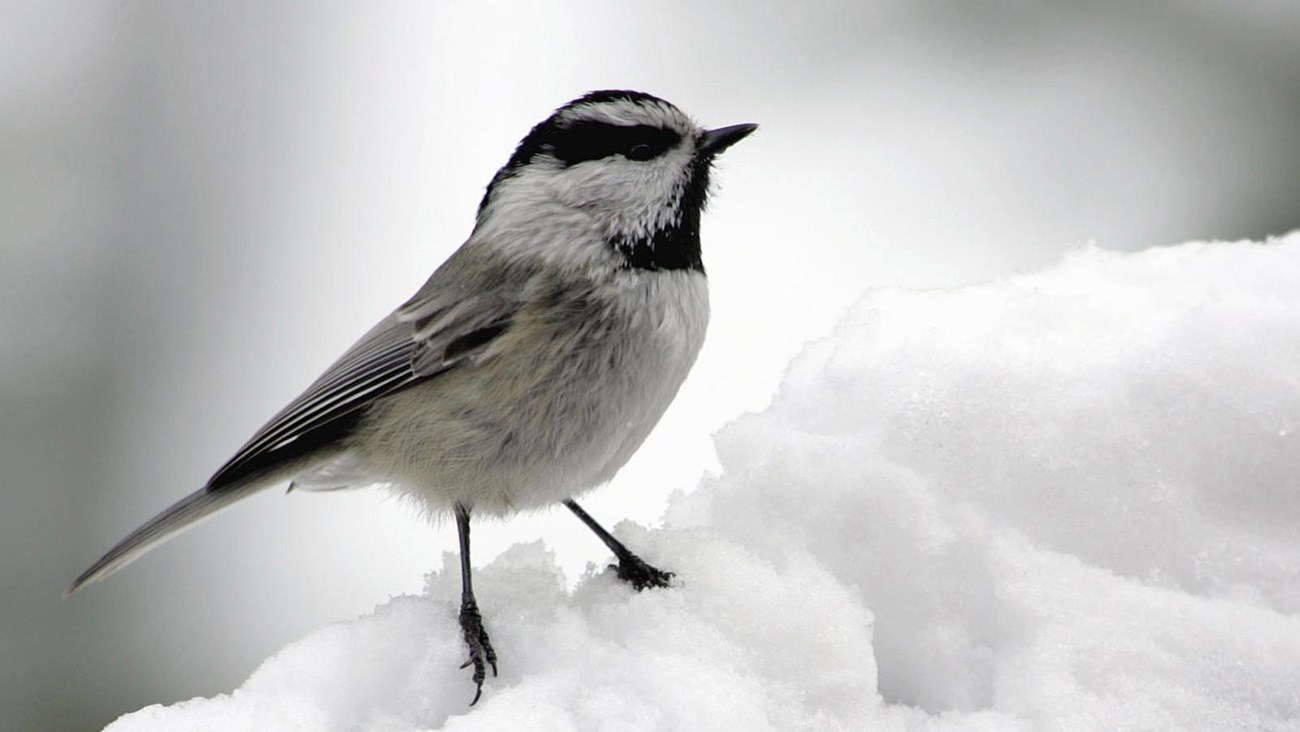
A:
[183,514]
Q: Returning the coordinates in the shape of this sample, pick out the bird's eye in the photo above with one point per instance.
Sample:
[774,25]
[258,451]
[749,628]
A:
[582,141]
[640,151]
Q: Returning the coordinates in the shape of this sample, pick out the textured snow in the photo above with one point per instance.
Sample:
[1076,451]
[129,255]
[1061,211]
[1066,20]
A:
[1066,500]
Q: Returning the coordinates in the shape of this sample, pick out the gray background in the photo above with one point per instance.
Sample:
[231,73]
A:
[202,206]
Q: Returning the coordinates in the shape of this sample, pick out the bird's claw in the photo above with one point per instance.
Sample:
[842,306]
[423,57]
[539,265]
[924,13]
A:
[634,570]
[481,654]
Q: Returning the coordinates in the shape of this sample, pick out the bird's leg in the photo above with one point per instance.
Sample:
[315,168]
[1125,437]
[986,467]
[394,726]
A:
[481,654]
[631,568]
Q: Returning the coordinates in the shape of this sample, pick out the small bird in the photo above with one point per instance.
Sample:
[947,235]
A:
[531,365]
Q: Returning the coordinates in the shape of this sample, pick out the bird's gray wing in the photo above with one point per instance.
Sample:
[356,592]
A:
[406,348]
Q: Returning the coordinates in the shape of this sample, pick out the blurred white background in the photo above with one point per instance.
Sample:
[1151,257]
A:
[202,205]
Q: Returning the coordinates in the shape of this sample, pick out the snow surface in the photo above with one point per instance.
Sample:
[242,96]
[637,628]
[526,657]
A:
[1066,500]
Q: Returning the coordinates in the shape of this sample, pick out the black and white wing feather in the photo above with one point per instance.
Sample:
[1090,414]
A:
[450,321]
[378,364]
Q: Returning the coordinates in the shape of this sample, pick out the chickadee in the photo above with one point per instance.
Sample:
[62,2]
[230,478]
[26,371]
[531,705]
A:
[531,364]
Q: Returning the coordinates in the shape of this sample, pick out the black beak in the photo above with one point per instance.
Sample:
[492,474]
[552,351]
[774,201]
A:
[713,142]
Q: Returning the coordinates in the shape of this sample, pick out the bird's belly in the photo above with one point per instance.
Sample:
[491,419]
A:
[551,415]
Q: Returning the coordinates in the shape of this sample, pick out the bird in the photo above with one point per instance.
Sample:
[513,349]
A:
[531,364]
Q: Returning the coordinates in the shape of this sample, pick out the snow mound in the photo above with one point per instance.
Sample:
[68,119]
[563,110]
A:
[1066,500]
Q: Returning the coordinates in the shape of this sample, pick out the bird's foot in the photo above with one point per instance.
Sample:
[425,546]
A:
[633,570]
[481,654]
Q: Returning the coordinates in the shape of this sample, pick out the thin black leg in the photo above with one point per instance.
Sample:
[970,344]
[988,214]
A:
[481,654]
[631,568]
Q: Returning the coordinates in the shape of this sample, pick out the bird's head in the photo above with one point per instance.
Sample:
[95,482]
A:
[613,177]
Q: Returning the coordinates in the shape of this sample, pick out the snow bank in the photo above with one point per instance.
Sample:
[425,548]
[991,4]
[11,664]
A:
[1067,500]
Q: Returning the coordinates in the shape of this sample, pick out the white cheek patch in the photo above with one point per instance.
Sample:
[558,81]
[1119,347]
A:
[629,198]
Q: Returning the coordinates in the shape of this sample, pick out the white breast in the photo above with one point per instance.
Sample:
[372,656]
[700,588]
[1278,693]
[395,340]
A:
[675,306]
[575,387]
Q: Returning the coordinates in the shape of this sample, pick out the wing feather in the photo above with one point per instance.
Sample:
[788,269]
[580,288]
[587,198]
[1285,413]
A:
[437,330]
[379,364]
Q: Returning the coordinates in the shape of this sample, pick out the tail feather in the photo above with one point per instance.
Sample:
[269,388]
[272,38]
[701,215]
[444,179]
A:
[182,515]
[306,453]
